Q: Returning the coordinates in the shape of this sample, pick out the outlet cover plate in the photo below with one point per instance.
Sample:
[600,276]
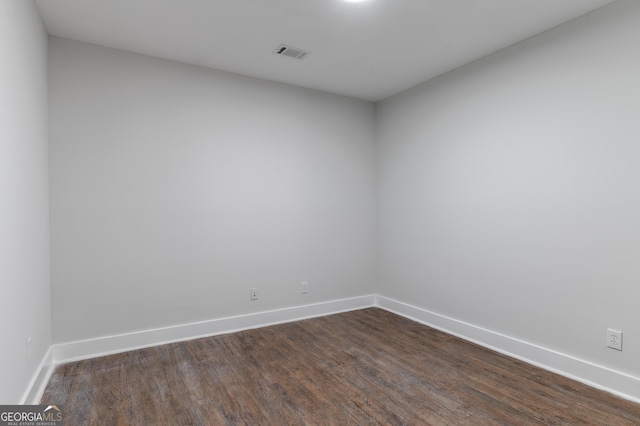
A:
[614,339]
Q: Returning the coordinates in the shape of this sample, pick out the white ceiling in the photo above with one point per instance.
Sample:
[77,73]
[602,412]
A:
[368,50]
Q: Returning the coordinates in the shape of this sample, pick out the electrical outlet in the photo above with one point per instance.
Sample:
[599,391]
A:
[614,339]
[304,287]
[254,294]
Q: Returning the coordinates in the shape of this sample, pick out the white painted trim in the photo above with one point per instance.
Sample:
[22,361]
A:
[39,380]
[74,351]
[594,375]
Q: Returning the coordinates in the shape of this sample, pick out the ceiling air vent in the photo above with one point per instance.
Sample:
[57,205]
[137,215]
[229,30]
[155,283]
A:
[292,52]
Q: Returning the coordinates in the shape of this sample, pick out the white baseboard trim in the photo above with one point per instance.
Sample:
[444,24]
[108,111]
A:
[85,349]
[594,375]
[39,380]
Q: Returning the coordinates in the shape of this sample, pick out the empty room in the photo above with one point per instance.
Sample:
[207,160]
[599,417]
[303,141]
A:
[298,212]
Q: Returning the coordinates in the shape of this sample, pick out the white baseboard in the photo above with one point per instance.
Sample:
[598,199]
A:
[40,379]
[597,376]
[101,346]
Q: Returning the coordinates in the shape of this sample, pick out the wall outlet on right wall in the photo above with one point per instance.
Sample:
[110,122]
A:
[614,339]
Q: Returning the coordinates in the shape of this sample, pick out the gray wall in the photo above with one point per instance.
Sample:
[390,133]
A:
[24,198]
[509,190]
[176,188]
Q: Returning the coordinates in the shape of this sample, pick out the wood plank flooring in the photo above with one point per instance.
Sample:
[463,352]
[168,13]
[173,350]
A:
[356,368]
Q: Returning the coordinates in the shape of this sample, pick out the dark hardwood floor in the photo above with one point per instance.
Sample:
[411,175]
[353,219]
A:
[356,368]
